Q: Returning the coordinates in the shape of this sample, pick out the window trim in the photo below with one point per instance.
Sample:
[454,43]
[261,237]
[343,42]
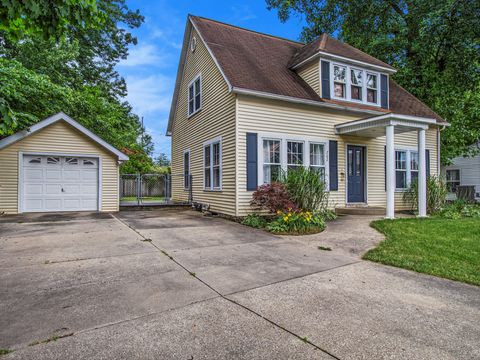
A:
[187,151]
[210,166]
[303,152]
[192,83]
[260,154]
[284,138]
[408,170]
[348,84]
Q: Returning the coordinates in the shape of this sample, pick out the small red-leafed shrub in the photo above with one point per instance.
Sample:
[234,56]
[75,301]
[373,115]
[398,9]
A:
[273,197]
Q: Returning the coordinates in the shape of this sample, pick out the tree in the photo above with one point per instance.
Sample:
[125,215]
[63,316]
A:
[162,160]
[48,18]
[434,45]
[52,58]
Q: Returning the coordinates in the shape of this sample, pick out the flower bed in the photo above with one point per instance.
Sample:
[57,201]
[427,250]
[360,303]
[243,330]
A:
[298,205]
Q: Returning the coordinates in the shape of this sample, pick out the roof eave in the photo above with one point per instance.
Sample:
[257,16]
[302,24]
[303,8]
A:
[61,116]
[296,100]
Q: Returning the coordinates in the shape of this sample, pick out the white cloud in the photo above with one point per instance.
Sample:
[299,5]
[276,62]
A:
[149,94]
[145,54]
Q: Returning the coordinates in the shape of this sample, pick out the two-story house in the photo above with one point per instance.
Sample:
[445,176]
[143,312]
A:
[248,105]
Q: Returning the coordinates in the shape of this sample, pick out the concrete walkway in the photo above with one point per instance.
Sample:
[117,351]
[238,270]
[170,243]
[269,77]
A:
[177,285]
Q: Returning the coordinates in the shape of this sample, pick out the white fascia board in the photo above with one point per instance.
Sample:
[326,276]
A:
[61,116]
[385,120]
[291,99]
[347,60]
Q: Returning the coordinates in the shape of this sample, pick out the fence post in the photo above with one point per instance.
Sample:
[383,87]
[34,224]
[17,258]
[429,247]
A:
[139,188]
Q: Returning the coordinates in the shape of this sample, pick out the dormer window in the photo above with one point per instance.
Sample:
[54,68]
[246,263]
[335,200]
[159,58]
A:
[372,88]
[356,79]
[354,84]
[339,80]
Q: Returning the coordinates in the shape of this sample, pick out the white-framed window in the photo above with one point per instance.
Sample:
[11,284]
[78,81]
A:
[186,169]
[351,83]
[452,180]
[356,84]
[212,165]
[195,95]
[272,166]
[281,152]
[294,154]
[401,169]
[406,168]
[372,88]
[339,81]
[317,158]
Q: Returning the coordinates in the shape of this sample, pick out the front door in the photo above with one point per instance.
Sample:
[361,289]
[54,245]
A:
[356,173]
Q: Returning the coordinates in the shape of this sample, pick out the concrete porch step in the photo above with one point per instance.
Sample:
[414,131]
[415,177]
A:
[360,210]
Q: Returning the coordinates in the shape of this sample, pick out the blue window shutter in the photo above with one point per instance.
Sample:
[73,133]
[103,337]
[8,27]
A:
[325,79]
[333,164]
[427,161]
[384,91]
[252,158]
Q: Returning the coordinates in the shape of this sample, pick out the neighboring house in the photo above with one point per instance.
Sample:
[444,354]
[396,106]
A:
[464,171]
[247,105]
[58,165]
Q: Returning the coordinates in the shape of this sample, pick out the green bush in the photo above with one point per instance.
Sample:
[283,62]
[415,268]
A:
[460,209]
[297,223]
[436,195]
[254,220]
[306,189]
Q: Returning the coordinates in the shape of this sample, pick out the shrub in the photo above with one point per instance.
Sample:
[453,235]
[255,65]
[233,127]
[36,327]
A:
[273,197]
[254,220]
[306,189]
[297,223]
[460,209]
[436,194]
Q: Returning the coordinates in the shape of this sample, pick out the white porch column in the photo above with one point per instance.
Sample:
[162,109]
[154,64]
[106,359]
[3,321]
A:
[422,175]
[390,173]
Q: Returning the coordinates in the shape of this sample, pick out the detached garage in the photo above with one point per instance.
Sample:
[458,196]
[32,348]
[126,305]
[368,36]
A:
[58,165]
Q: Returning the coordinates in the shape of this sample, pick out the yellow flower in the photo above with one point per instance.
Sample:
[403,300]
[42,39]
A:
[278,212]
[285,218]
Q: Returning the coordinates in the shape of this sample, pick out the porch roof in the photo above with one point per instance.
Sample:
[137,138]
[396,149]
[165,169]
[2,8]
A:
[375,126]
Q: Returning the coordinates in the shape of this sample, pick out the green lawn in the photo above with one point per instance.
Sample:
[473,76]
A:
[441,247]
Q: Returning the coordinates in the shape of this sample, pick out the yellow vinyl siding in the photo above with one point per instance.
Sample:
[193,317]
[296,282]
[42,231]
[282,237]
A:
[311,74]
[271,116]
[59,138]
[216,118]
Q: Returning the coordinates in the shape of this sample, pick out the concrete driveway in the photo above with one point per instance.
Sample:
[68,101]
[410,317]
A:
[173,284]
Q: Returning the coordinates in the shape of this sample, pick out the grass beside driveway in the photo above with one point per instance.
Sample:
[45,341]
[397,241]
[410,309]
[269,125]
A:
[441,247]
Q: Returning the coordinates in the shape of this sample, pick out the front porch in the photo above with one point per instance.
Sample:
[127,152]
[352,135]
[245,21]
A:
[388,126]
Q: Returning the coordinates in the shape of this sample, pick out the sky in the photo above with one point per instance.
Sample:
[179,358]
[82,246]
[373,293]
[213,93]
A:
[151,66]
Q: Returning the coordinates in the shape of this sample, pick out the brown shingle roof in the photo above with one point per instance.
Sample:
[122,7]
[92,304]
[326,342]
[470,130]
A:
[328,44]
[261,62]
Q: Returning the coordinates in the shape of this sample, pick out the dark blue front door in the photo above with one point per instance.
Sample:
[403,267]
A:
[356,173]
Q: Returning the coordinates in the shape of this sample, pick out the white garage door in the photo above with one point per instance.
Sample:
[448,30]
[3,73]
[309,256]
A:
[56,183]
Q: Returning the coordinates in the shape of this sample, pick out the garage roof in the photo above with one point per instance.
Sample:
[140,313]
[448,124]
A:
[61,116]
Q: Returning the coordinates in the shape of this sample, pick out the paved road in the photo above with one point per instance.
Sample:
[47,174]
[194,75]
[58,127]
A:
[173,284]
